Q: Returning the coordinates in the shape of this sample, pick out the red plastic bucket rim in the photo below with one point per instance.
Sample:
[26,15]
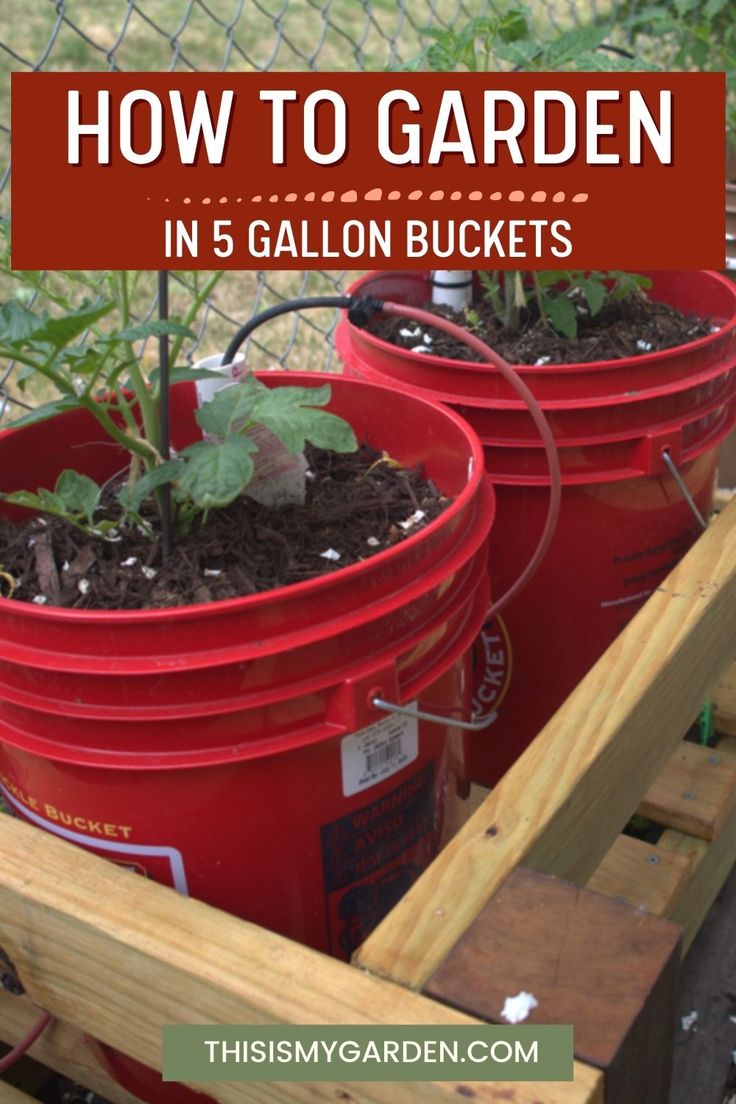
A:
[593,402]
[309,587]
[362,287]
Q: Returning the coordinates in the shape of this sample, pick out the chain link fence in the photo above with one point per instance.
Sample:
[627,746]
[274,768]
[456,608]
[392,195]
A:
[235,35]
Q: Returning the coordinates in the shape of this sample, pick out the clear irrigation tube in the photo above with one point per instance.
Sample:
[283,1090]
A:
[360,310]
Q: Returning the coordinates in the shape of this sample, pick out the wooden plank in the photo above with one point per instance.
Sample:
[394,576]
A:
[636,873]
[726,747]
[695,793]
[724,699]
[561,805]
[675,886]
[60,1047]
[711,864]
[117,955]
[608,969]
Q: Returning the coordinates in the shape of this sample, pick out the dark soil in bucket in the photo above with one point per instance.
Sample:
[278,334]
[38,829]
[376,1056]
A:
[356,505]
[623,328]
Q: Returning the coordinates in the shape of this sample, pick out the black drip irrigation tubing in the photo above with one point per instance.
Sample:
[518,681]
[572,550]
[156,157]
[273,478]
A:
[360,311]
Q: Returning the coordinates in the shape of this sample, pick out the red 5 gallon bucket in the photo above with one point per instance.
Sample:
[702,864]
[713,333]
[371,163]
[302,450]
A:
[623,521]
[232,750]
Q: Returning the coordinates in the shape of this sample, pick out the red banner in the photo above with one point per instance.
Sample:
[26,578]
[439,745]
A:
[368,170]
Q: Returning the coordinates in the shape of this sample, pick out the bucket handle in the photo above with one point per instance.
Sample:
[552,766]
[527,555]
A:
[676,475]
[475,724]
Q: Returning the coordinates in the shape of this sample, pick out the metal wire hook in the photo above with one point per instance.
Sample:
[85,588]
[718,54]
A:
[675,473]
[474,725]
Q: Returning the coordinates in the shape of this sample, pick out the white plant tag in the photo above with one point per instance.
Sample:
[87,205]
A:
[279,478]
[378,751]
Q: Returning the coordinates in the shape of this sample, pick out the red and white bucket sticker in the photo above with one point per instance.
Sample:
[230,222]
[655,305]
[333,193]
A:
[492,666]
[378,751]
[161,864]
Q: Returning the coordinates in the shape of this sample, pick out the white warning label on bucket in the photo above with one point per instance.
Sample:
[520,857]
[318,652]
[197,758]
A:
[377,752]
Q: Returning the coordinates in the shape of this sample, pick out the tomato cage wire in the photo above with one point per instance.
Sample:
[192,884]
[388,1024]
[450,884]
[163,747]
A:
[164,411]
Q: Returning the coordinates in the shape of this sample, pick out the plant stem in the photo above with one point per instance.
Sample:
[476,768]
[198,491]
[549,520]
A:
[134,471]
[140,387]
[44,369]
[11,354]
[137,445]
[191,314]
[125,411]
[511,297]
[539,298]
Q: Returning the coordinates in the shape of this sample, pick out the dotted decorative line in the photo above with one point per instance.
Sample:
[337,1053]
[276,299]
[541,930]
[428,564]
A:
[375,195]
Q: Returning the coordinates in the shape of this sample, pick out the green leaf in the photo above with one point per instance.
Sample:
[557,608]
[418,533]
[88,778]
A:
[82,359]
[217,472]
[46,502]
[156,328]
[283,410]
[25,498]
[60,331]
[52,503]
[594,292]
[562,315]
[231,406]
[549,279]
[628,283]
[522,54]
[571,44]
[102,528]
[513,26]
[327,431]
[132,498]
[79,493]
[605,62]
[43,413]
[699,54]
[279,398]
[17,323]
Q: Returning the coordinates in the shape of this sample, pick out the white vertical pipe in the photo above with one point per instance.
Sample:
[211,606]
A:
[452,288]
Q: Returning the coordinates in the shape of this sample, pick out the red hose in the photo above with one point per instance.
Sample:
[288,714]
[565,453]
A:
[25,1044]
[516,382]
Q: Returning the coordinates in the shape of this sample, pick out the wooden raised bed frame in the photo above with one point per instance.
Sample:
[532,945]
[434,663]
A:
[112,954]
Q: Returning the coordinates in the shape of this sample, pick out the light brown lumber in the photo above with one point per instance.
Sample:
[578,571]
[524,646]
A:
[694,793]
[561,805]
[60,1047]
[117,955]
[724,701]
[639,874]
[711,865]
